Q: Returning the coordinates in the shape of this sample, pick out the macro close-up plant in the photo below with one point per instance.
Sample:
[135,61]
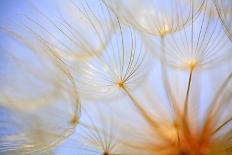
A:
[114,77]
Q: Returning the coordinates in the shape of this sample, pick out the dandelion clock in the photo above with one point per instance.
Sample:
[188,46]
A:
[122,65]
[96,134]
[78,30]
[224,8]
[155,17]
[38,95]
[202,44]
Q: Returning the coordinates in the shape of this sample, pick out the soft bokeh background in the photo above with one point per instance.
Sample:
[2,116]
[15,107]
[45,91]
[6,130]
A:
[151,92]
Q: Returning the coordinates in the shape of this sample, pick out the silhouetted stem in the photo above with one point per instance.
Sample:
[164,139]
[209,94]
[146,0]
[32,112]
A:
[186,102]
[145,115]
[168,91]
[140,108]
[171,99]
[187,94]
[221,126]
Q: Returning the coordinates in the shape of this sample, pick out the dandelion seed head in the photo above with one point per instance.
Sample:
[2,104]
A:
[203,39]
[97,133]
[122,64]
[79,31]
[154,16]
[42,99]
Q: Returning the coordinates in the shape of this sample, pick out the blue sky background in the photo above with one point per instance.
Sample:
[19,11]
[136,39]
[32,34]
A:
[9,13]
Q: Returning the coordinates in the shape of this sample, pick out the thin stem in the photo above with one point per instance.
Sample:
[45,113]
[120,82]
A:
[140,108]
[221,126]
[168,91]
[147,117]
[187,94]
[186,102]
[171,99]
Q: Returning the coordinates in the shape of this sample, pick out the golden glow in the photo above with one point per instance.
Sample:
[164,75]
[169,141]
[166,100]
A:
[191,63]
[165,30]
[121,84]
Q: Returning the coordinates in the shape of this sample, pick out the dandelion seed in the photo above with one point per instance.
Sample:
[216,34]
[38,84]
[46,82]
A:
[122,64]
[159,19]
[202,43]
[155,17]
[225,12]
[96,134]
[33,132]
[47,75]
[42,99]
[75,36]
